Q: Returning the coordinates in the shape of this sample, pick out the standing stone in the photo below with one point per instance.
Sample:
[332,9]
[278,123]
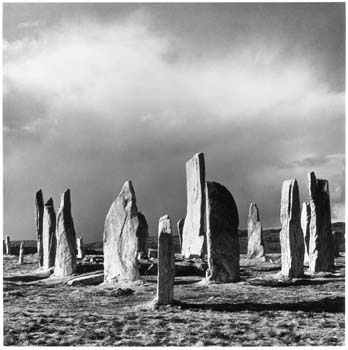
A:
[80,251]
[336,243]
[49,240]
[8,245]
[321,250]
[21,252]
[222,234]
[143,233]
[305,224]
[165,270]
[194,230]
[65,263]
[121,238]
[291,236]
[180,227]
[256,247]
[39,210]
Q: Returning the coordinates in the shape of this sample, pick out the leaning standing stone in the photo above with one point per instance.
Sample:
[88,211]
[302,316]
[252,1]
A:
[8,245]
[222,234]
[39,211]
[165,273]
[143,233]
[291,236]
[121,238]
[256,248]
[21,252]
[80,251]
[321,250]
[49,240]
[194,231]
[65,263]
[305,223]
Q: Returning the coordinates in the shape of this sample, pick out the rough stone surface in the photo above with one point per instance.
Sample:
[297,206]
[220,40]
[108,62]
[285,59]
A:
[80,250]
[291,236]
[8,245]
[121,238]
[143,233]
[321,249]
[21,253]
[256,247]
[165,274]
[305,223]
[49,240]
[222,234]
[180,227]
[39,211]
[194,226]
[65,262]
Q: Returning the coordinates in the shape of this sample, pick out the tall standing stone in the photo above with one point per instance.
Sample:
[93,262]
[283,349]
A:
[143,233]
[21,253]
[121,238]
[291,236]
[321,250]
[256,247]
[180,227]
[39,210]
[79,245]
[65,262]
[194,230]
[305,224]
[222,234]
[165,272]
[49,240]
[8,245]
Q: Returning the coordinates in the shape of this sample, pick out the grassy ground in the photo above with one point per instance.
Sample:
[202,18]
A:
[258,310]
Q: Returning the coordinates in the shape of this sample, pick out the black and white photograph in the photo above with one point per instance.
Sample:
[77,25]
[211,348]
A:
[173,174]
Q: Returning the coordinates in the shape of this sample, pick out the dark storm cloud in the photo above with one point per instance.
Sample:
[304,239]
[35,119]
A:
[95,95]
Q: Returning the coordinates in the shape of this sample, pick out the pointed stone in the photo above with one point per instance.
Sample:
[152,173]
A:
[222,234]
[291,236]
[8,245]
[180,227]
[65,262]
[165,272]
[39,211]
[143,233]
[194,226]
[256,247]
[80,250]
[49,240]
[321,250]
[21,253]
[305,224]
[121,238]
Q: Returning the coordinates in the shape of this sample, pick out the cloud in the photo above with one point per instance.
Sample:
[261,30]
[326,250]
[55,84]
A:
[90,105]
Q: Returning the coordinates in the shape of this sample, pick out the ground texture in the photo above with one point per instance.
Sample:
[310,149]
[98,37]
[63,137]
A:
[260,310]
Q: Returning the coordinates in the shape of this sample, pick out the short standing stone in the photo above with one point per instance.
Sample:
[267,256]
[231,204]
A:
[80,250]
[143,233]
[165,273]
[65,263]
[305,223]
[49,239]
[194,230]
[321,250]
[256,248]
[39,212]
[291,236]
[21,253]
[8,244]
[222,234]
[336,242]
[121,238]
[180,227]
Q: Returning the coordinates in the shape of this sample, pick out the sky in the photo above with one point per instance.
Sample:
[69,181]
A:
[98,94]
